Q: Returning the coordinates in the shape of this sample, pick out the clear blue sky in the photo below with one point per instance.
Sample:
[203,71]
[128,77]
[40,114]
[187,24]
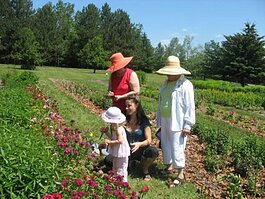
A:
[205,20]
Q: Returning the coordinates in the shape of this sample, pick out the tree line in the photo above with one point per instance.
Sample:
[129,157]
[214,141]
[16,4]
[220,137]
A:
[56,35]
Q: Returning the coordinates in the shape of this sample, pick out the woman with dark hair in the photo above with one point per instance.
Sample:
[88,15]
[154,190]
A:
[138,133]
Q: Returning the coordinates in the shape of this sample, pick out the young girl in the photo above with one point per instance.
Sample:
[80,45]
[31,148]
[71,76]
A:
[117,143]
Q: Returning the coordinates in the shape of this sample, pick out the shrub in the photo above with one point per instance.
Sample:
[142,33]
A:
[20,79]
[28,67]
[141,76]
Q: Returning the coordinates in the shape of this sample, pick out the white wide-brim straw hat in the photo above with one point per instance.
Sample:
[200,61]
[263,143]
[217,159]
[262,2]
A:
[173,67]
[113,115]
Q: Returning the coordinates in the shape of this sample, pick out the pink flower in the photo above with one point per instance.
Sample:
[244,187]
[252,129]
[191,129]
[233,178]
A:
[144,189]
[47,196]
[108,188]
[57,196]
[68,150]
[64,182]
[95,195]
[126,185]
[62,144]
[78,182]
[119,177]
[77,195]
[134,195]
[52,196]
[92,183]
[117,192]
[104,129]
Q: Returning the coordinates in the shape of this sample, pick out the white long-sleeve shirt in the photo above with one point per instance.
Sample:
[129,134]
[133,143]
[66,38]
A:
[183,106]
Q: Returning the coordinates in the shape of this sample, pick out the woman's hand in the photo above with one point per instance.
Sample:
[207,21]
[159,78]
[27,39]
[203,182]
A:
[110,94]
[185,132]
[135,146]
[117,97]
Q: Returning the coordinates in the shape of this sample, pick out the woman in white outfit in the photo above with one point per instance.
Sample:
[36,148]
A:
[175,115]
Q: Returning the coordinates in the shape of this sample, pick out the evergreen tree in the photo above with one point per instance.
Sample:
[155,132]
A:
[87,26]
[106,26]
[160,56]
[44,29]
[147,54]
[243,57]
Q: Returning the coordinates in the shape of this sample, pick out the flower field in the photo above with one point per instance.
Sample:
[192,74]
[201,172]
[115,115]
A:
[49,132]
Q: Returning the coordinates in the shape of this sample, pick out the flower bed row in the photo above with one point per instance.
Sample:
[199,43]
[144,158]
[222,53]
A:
[44,158]
[222,147]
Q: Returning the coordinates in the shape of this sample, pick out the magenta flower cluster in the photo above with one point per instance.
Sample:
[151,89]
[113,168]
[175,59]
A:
[72,149]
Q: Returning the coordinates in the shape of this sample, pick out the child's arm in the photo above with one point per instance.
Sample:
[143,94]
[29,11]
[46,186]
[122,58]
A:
[119,140]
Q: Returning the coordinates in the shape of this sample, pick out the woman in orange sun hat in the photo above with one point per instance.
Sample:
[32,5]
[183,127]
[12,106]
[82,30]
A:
[123,81]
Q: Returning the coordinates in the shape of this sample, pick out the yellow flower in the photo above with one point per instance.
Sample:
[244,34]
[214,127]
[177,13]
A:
[91,134]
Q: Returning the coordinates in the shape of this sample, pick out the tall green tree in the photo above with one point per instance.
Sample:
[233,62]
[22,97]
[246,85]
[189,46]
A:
[147,54]
[14,15]
[44,27]
[64,31]
[87,26]
[243,57]
[53,26]
[26,49]
[106,17]
[175,48]
[187,47]
[212,57]
[93,54]
[160,57]
[121,33]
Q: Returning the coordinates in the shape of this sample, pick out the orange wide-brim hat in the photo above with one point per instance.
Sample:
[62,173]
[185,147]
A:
[118,61]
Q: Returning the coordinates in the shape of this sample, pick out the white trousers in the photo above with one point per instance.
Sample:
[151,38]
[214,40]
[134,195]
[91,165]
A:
[173,145]
[120,166]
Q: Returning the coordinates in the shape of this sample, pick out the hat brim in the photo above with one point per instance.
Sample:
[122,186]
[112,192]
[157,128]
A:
[120,65]
[173,71]
[119,120]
